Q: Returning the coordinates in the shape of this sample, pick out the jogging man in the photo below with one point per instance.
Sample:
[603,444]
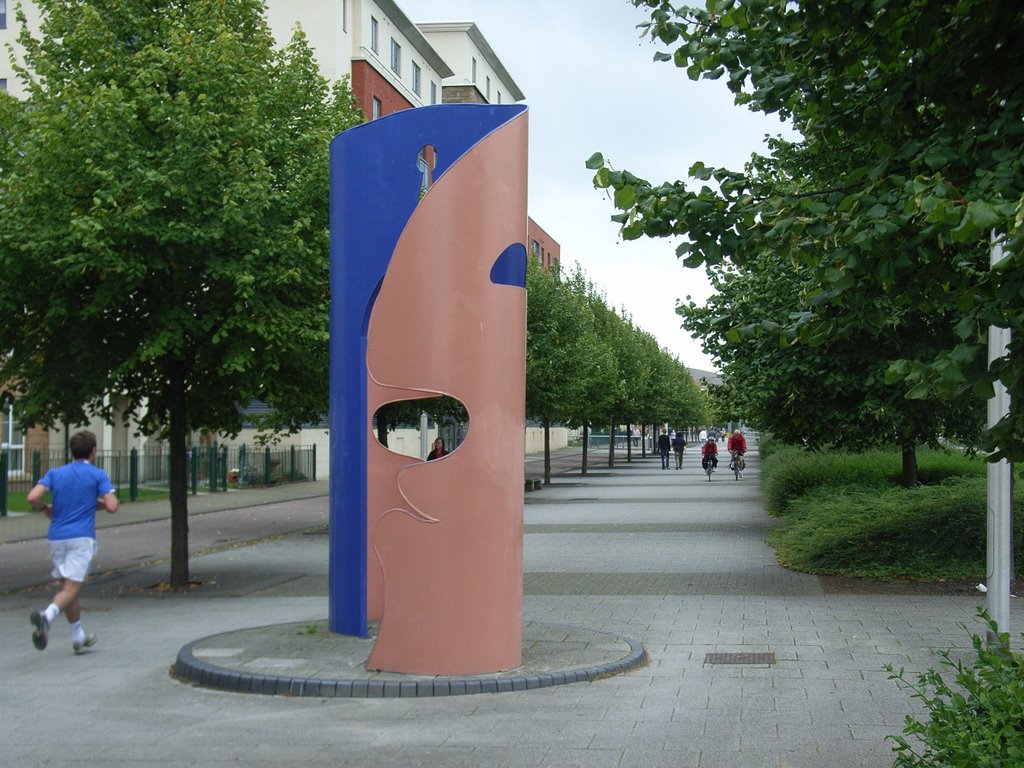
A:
[79,489]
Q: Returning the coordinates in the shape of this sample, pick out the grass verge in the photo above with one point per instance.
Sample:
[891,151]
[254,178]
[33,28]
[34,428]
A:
[16,500]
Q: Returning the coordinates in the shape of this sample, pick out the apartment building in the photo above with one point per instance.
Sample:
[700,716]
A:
[542,246]
[391,65]
[479,76]
[9,29]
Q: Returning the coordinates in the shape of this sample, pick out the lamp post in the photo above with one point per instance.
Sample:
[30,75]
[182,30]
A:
[1000,476]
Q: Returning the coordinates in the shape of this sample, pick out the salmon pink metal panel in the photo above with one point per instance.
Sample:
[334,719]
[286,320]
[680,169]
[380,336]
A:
[431,302]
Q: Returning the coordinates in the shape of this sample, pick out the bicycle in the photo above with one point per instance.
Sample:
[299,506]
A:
[737,464]
[709,467]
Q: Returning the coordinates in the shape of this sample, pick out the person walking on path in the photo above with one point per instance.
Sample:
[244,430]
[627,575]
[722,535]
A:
[664,446]
[679,447]
[79,489]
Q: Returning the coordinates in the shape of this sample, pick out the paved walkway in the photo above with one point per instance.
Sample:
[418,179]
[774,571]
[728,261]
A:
[749,664]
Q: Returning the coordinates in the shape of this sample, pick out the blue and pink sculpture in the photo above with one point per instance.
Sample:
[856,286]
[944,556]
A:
[428,268]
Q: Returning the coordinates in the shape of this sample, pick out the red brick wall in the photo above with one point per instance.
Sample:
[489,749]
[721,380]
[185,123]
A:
[550,250]
[367,83]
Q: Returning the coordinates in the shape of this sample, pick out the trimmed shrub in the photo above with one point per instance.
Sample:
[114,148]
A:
[929,532]
[791,472]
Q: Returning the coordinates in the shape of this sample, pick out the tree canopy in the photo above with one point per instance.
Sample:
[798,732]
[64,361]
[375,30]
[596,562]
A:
[910,161]
[164,221]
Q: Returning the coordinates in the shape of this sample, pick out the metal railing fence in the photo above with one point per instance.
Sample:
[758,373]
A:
[211,467]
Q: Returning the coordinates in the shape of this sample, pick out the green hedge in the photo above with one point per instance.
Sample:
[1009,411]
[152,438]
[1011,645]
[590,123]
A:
[790,472]
[930,532]
[846,514]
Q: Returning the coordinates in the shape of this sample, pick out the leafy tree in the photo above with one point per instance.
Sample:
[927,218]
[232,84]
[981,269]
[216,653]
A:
[164,222]
[833,394]
[601,377]
[910,118]
[621,402]
[567,365]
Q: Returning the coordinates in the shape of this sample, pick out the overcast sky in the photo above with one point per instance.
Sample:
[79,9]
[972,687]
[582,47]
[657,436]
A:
[591,85]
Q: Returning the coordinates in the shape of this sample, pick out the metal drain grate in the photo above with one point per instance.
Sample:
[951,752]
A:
[739,658]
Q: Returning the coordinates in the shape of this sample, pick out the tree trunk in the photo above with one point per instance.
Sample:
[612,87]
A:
[382,424]
[909,479]
[629,443]
[586,444]
[547,452]
[179,478]
[611,444]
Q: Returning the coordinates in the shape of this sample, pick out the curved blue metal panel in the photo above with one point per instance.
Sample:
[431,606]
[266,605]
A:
[510,267]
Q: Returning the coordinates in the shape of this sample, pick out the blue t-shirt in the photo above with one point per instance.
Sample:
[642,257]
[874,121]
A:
[75,488]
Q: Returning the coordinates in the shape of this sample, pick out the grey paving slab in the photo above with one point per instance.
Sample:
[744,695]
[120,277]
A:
[664,557]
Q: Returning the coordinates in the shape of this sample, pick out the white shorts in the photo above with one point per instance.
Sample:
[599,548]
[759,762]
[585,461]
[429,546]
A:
[72,558]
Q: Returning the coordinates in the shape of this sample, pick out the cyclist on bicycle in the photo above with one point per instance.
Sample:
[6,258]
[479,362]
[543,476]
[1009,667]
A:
[737,446]
[709,454]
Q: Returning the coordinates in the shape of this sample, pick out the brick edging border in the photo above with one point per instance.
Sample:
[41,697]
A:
[188,668]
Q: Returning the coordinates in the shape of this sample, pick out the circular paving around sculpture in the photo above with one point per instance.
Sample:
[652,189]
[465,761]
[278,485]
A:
[305,659]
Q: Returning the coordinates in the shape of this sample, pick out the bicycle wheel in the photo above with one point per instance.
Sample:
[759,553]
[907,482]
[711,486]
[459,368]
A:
[735,467]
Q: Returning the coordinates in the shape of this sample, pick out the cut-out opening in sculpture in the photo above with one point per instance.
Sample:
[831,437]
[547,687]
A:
[442,417]
[426,162]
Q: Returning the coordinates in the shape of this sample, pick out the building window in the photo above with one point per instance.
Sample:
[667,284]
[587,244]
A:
[433,92]
[416,74]
[499,97]
[374,35]
[3,14]
[535,250]
[474,72]
[12,440]
[344,15]
[376,108]
[3,84]
[396,57]
[488,93]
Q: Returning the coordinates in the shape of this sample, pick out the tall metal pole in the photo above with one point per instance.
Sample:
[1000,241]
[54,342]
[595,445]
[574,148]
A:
[998,550]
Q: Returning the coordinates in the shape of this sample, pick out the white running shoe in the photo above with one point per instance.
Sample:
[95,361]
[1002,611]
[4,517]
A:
[82,647]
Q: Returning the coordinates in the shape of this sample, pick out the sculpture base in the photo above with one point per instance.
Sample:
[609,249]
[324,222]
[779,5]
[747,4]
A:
[304,659]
